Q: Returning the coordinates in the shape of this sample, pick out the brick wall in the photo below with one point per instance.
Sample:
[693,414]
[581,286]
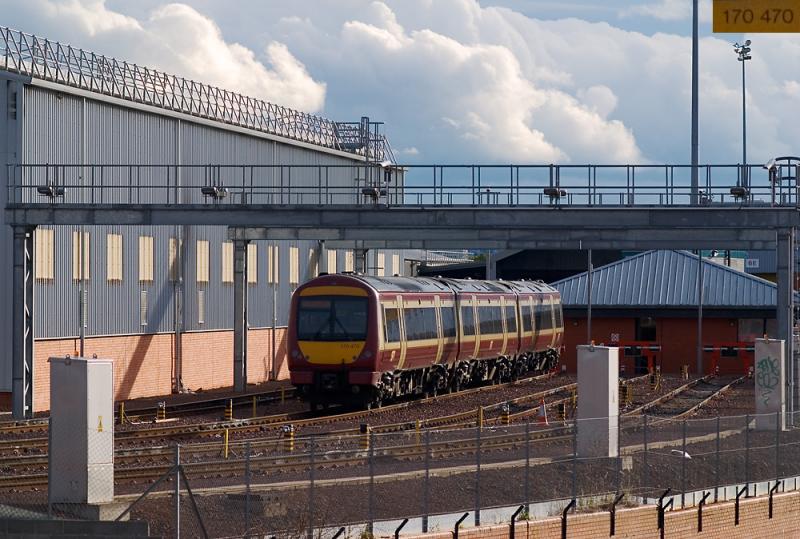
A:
[641,523]
[143,364]
[602,328]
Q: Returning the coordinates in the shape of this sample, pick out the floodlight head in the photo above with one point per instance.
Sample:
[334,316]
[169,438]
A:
[747,43]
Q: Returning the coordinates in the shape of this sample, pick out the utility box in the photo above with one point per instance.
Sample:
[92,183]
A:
[81,431]
[770,378]
[598,401]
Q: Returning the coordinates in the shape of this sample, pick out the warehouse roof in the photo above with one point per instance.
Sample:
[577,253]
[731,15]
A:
[667,279]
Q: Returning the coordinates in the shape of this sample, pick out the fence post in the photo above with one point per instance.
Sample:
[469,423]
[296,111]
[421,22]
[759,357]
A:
[619,454]
[747,455]
[477,477]
[771,493]
[371,493]
[512,532]
[777,445]
[571,505]
[575,459]
[613,515]
[645,473]
[312,448]
[247,490]
[426,490]
[683,468]
[716,466]
[177,491]
[527,466]
[736,507]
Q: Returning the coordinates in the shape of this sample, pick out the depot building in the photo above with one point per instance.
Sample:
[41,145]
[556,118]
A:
[648,305]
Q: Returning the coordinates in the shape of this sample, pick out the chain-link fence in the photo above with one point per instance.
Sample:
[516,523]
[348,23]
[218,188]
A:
[292,484]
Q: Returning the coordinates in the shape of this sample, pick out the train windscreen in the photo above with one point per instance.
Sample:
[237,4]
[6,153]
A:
[332,318]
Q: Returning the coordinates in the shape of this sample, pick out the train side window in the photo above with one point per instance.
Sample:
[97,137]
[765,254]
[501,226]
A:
[391,320]
[526,317]
[546,316]
[511,319]
[491,321]
[538,312]
[559,316]
[467,320]
[420,323]
[448,322]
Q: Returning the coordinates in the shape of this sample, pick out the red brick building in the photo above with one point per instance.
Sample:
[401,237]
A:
[652,298]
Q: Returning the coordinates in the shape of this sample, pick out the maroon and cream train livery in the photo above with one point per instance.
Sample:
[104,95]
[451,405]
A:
[360,339]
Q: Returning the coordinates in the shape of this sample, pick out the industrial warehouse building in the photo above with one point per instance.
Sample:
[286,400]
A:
[158,301]
[652,298]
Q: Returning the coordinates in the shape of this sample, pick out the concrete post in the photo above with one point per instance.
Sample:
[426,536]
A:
[361,261]
[598,413]
[239,315]
[770,378]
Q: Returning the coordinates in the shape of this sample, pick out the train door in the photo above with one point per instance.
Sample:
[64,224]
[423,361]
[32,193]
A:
[504,325]
[536,318]
[403,343]
[437,302]
[476,323]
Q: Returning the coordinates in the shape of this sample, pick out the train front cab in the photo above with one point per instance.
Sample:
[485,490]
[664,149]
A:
[333,342]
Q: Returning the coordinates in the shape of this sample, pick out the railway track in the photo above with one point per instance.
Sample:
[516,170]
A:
[163,433]
[689,398]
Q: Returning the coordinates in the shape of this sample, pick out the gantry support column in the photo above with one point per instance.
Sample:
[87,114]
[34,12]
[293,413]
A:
[240,315]
[361,260]
[22,324]
[785,314]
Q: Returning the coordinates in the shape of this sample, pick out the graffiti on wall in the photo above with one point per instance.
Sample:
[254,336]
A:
[768,376]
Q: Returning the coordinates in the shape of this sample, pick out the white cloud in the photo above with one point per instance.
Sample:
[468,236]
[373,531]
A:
[178,39]
[670,10]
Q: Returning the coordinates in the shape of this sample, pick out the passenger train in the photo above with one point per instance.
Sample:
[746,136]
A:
[357,339]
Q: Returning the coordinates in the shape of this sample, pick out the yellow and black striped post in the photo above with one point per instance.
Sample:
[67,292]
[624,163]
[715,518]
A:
[418,429]
[365,436]
[574,398]
[228,410]
[627,395]
[161,412]
[505,414]
[562,411]
[288,438]
[225,446]
[479,421]
[255,407]
[121,419]
[685,372]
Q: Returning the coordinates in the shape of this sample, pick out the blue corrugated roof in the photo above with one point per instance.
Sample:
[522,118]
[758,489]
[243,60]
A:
[667,279]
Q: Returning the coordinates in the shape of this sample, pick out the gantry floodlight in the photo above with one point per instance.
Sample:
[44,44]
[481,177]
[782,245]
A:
[214,191]
[50,191]
[743,54]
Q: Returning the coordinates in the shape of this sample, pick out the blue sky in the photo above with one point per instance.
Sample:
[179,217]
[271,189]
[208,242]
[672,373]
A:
[496,81]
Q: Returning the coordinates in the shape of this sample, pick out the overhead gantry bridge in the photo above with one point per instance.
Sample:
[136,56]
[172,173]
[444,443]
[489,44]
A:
[435,207]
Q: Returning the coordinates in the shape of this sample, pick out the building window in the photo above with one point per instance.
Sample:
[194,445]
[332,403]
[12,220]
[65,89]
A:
[294,265]
[396,269]
[202,261]
[114,257]
[313,263]
[143,308]
[201,306]
[273,272]
[44,249]
[174,270]
[227,262]
[80,266]
[146,259]
[381,270]
[349,261]
[331,264]
[252,263]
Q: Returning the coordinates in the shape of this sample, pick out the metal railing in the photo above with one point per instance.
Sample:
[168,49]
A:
[52,61]
[409,185]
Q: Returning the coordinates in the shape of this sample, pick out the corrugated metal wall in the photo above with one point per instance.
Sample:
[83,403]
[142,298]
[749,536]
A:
[62,128]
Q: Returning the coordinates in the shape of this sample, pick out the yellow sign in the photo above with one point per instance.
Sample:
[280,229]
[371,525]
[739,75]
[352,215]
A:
[756,16]
[99,423]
